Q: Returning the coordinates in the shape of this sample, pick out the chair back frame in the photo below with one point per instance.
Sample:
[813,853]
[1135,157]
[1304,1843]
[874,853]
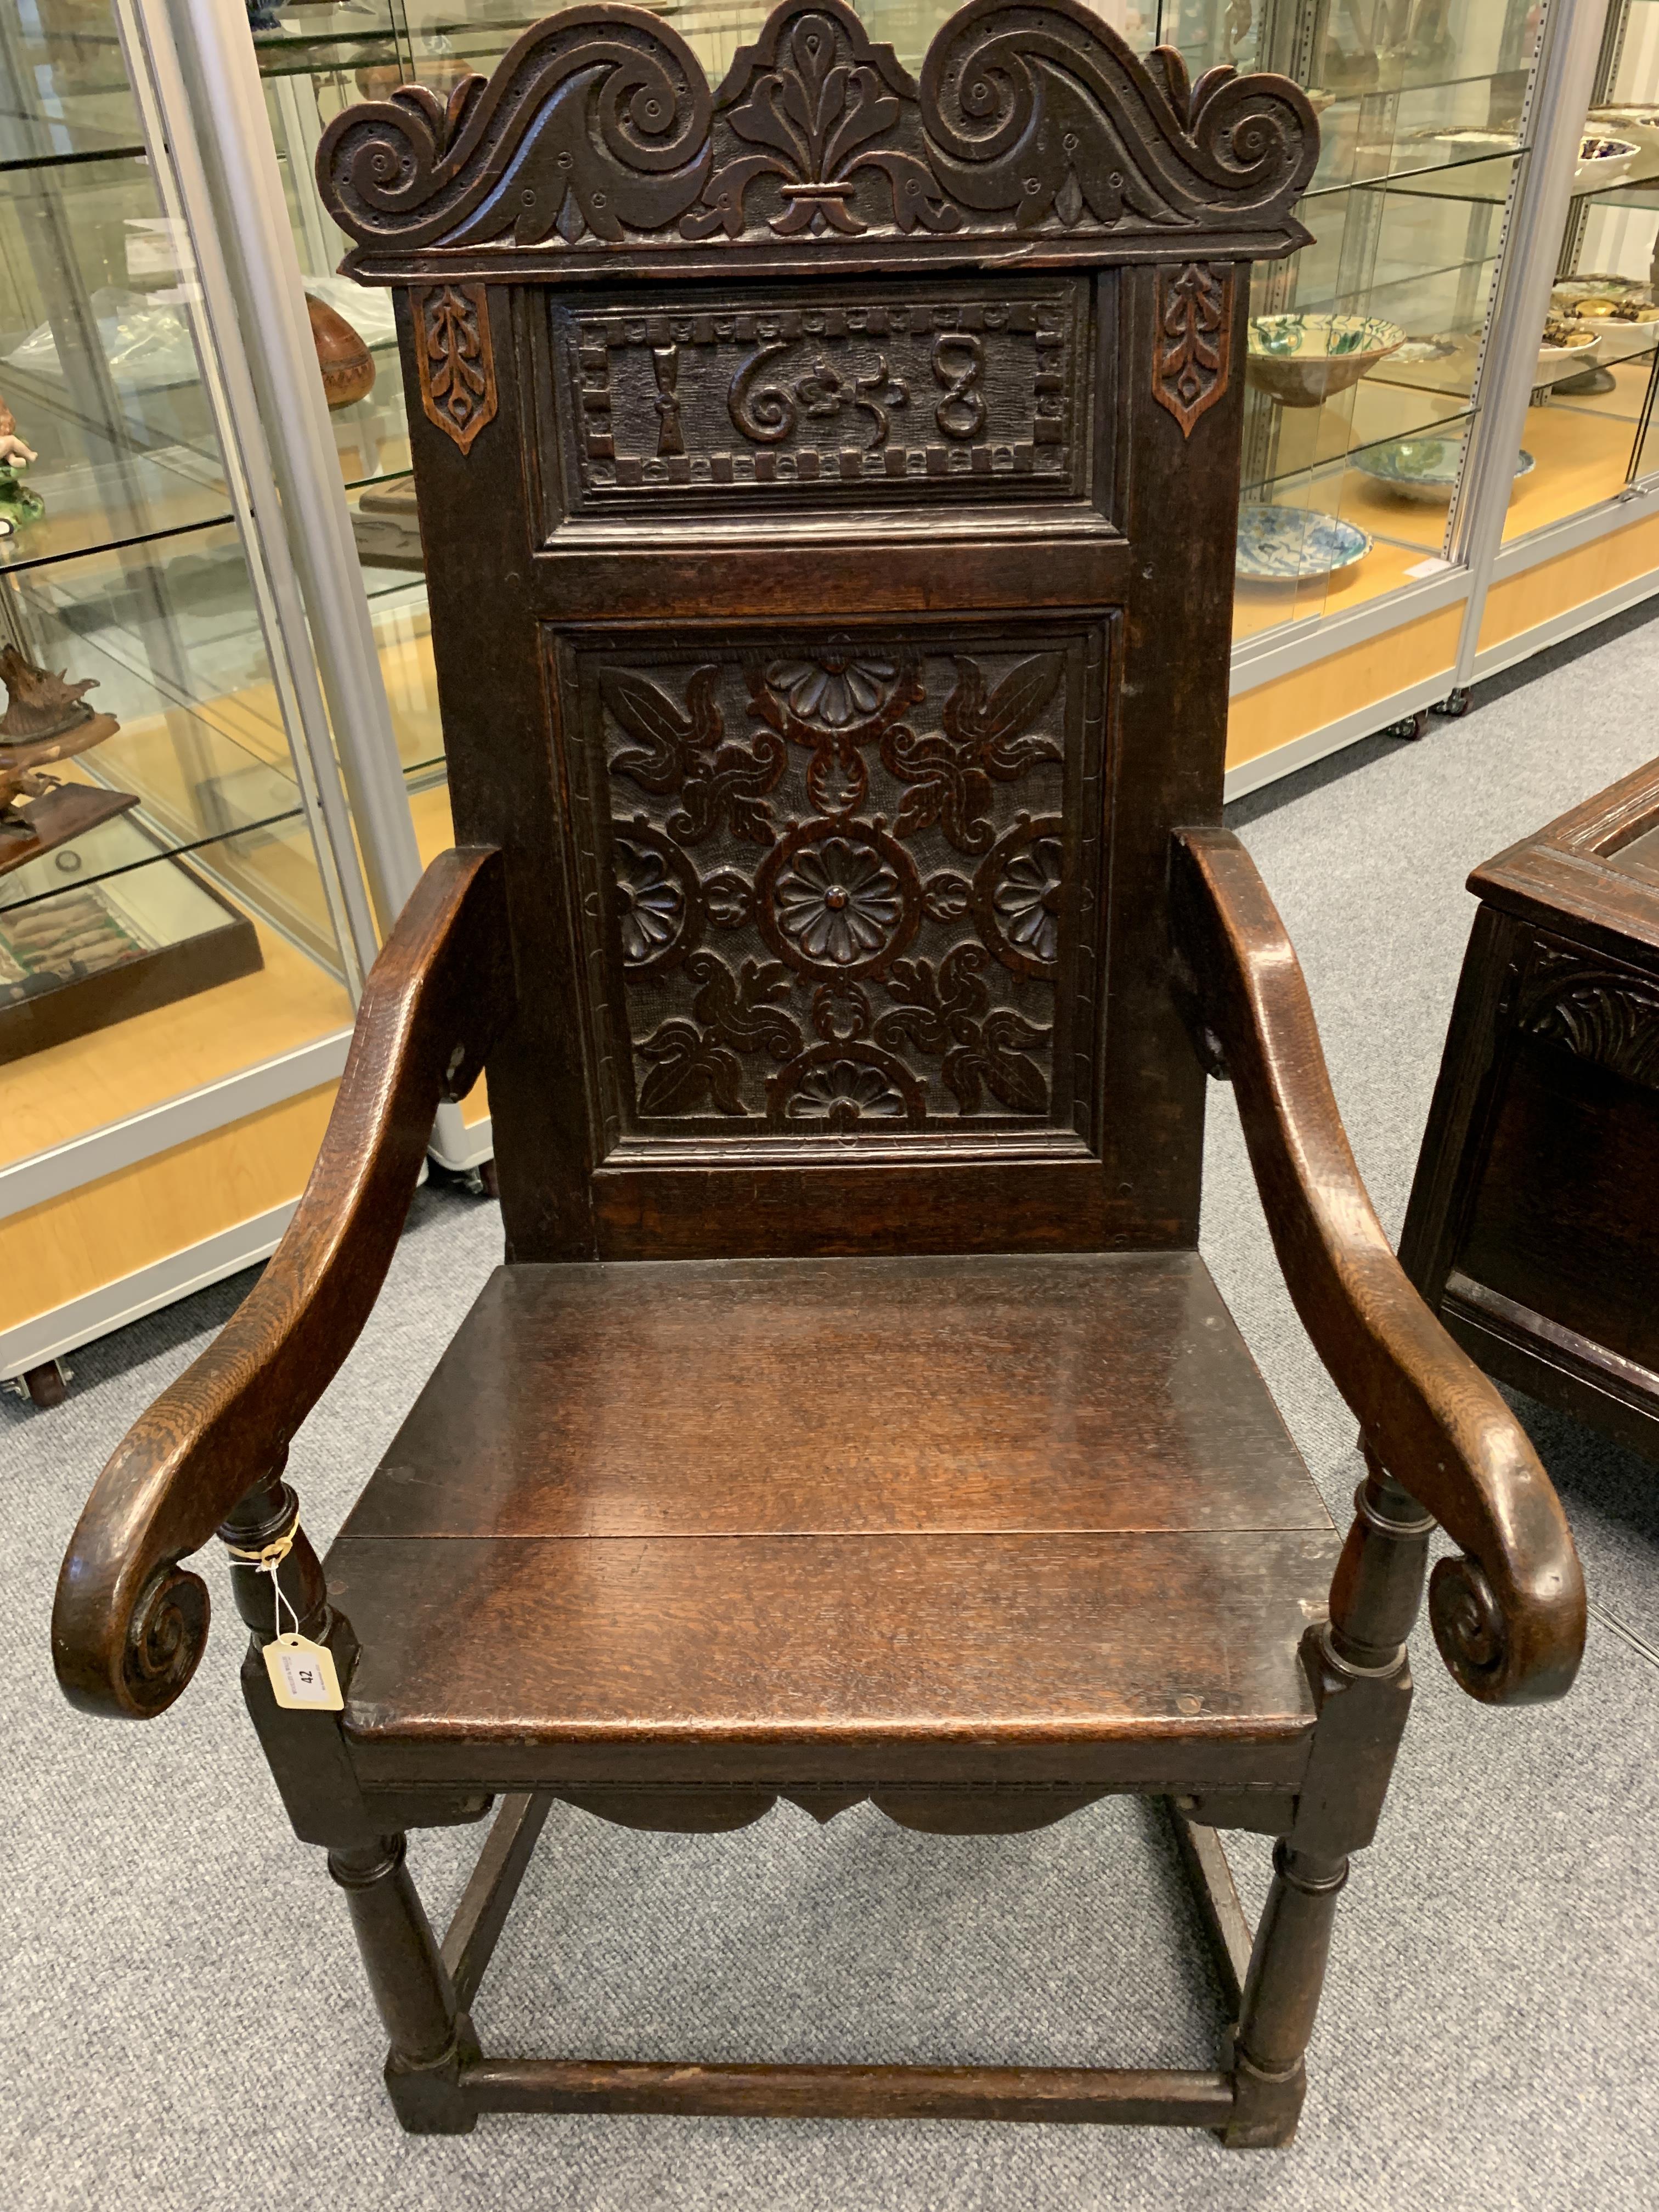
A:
[827,489]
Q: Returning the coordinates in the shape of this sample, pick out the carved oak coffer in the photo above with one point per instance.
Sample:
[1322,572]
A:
[852,463]
[1534,1222]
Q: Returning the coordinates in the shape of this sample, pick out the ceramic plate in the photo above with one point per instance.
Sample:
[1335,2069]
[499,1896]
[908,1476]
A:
[1423,468]
[1292,545]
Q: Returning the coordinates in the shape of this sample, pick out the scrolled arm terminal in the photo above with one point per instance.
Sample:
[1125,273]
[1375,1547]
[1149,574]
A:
[1509,1615]
[129,1624]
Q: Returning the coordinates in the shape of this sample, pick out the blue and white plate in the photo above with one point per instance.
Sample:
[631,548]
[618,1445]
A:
[1425,469]
[1294,545]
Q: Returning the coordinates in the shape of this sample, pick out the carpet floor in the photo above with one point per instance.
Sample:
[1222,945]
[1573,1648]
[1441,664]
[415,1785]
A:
[187,2021]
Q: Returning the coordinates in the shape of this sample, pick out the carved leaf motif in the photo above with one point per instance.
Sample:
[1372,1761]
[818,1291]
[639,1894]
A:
[1194,324]
[1008,1074]
[741,1009]
[731,788]
[945,1013]
[950,776]
[1021,696]
[865,117]
[1610,1019]
[688,1068]
[666,737]
[945,788]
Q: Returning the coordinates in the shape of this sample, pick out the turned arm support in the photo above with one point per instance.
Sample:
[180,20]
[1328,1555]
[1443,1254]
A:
[1509,1617]
[129,1626]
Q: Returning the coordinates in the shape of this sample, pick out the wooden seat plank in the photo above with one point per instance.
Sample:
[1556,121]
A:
[1072,1391]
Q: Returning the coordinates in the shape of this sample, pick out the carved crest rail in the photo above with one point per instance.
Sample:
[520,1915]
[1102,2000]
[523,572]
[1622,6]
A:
[598,145]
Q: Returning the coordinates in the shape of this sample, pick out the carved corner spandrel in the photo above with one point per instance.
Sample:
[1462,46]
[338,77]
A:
[456,358]
[1193,347]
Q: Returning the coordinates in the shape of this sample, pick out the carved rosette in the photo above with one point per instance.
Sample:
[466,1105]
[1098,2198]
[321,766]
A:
[857,888]
[598,132]
[659,898]
[1194,310]
[838,898]
[1017,893]
[456,358]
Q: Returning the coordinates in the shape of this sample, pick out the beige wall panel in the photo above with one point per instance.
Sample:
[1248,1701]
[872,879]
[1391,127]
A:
[1291,706]
[162,1206]
[1538,595]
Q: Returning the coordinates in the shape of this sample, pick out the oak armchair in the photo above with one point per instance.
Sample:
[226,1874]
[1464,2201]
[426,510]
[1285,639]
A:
[826,487]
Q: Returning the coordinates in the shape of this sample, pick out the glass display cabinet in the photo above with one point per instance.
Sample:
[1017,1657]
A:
[182,928]
[1578,542]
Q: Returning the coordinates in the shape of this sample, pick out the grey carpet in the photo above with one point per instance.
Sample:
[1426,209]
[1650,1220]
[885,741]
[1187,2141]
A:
[185,2019]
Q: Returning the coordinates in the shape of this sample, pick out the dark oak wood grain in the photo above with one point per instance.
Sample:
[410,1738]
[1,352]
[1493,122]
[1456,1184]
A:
[1534,1215]
[1129,2097]
[1083,1391]
[129,1624]
[829,524]
[633,1652]
[1517,1630]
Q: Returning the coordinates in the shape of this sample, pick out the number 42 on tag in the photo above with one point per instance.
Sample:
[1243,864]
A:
[302,1676]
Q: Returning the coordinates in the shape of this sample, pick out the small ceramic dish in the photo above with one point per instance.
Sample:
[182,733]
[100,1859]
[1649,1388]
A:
[1641,124]
[1301,361]
[1295,545]
[1423,469]
[1629,305]
[1567,350]
[1602,162]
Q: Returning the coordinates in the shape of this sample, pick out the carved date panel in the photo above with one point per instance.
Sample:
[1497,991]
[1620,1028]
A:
[842,885]
[978,387]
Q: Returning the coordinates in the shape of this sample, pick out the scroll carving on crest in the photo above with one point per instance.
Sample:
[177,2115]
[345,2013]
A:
[457,360]
[599,142]
[1194,344]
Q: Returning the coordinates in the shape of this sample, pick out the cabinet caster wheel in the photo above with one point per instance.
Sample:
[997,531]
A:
[481,1181]
[47,1385]
[1413,726]
[1455,704]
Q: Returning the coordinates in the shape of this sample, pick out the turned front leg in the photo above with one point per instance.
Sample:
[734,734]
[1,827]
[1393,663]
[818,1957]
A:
[1360,1675]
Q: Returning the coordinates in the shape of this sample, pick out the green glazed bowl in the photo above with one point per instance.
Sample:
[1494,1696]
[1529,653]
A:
[1301,361]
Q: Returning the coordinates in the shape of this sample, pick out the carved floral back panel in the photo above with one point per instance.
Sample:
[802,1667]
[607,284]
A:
[843,883]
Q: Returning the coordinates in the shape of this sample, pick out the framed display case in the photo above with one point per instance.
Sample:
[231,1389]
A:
[183,924]
[1580,541]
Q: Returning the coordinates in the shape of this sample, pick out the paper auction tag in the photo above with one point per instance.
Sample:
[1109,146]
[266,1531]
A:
[302,1676]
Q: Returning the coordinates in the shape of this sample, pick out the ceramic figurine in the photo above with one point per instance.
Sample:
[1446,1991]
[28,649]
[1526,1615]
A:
[17,504]
[346,363]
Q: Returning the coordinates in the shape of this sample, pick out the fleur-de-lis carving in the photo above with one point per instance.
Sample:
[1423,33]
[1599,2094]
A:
[817,115]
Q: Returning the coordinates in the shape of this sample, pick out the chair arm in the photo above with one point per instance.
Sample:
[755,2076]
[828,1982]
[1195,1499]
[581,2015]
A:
[129,1625]
[1509,1617]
